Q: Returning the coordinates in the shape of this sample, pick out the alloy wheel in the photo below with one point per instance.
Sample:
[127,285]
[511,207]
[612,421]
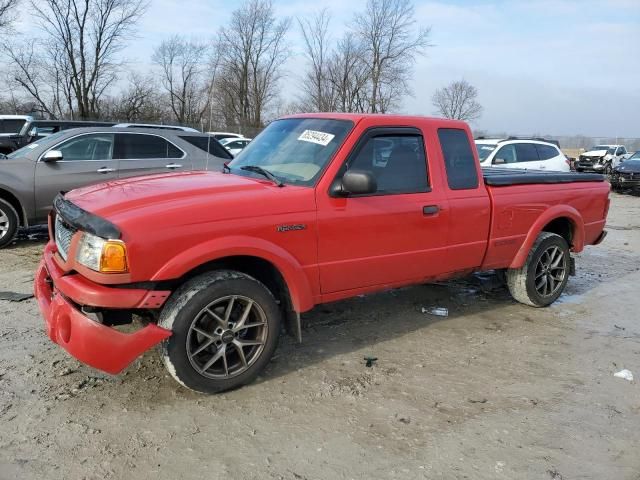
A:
[551,270]
[4,224]
[227,337]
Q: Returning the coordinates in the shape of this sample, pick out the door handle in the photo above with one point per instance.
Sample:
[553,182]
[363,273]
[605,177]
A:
[106,170]
[173,166]
[430,209]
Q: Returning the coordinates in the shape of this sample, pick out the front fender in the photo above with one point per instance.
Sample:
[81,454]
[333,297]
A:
[553,213]
[216,249]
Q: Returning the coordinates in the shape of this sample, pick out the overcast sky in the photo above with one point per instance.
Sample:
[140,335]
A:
[541,66]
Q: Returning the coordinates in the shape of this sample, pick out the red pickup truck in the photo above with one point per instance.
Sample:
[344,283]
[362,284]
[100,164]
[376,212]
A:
[318,208]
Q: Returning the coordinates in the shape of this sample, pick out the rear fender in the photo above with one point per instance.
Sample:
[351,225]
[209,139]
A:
[553,213]
[219,248]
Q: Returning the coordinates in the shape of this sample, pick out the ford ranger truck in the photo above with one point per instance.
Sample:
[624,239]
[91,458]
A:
[318,208]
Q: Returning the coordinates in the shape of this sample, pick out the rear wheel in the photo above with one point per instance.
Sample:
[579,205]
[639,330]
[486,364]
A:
[543,277]
[9,223]
[225,328]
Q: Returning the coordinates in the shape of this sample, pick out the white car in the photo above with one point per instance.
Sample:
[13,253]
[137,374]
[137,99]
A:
[223,135]
[235,145]
[602,158]
[522,153]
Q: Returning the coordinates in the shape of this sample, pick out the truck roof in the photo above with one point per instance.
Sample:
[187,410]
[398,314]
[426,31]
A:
[393,119]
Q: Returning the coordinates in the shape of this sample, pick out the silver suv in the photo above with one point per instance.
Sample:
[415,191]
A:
[32,176]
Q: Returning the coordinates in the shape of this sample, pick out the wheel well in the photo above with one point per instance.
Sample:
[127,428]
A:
[563,227]
[258,268]
[9,197]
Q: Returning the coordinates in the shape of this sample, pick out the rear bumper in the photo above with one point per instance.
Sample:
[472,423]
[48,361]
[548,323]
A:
[97,345]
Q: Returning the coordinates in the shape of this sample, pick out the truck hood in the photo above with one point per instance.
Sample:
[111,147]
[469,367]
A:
[595,153]
[188,198]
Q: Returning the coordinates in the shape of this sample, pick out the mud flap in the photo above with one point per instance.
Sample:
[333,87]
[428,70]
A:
[293,325]
[572,266]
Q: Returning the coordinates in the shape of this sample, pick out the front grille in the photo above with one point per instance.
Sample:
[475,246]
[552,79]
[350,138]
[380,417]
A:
[63,235]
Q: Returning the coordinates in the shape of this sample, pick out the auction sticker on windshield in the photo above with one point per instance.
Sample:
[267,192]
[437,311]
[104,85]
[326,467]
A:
[313,136]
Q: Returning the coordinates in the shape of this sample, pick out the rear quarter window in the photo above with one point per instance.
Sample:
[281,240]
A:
[545,152]
[459,162]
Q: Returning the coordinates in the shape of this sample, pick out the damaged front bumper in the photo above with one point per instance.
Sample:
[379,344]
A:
[91,342]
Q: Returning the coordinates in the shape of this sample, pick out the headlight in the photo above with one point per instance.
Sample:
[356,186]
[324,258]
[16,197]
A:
[104,256]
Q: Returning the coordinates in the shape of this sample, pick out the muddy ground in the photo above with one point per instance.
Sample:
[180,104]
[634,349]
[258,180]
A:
[497,390]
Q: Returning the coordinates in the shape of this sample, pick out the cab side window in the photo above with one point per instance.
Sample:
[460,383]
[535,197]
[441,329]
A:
[140,146]
[526,152]
[398,163]
[506,154]
[87,147]
[545,152]
[459,162]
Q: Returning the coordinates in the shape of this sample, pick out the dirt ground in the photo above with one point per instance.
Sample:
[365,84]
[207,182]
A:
[496,390]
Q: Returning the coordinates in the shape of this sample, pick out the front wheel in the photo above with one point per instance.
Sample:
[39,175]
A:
[543,277]
[225,328]
[9,223]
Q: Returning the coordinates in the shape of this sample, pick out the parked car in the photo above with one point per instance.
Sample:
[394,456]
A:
[235,145]
[11,127]
[33,130]
[156,126]
[31,177]
[223,135]
[521,153]
[601,158]
[217,262]
[626,176]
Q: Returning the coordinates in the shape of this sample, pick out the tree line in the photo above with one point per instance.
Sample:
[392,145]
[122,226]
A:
[75,67]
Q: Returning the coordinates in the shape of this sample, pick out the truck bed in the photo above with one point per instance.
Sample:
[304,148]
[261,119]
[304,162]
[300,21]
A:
[500,177]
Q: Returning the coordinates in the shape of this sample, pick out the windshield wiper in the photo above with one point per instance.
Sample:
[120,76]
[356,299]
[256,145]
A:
[2,155]
[264,173]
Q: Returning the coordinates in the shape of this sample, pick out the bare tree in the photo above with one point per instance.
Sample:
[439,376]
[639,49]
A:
[390,44]
[137,102]
[349,75]
[318,91]
[81,39]
[252,50]
[7,13]
[43,78]
[458,101]
[182,64]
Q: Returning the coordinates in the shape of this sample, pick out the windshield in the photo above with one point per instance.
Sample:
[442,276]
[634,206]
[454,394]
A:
[603,147]
[21,152]
[635,156]
[11,126]
[485,149]
[295,150]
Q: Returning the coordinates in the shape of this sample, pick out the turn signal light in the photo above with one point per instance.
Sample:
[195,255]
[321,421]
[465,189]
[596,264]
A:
[114,257]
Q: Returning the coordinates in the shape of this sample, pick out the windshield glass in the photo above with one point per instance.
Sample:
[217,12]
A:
[484,149]
[11,126]
[635,155]
[21,152]
[603,147]
[295,150]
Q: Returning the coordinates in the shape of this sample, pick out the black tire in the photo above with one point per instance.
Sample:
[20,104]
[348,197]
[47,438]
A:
[524,283]
[9,223]
[188,314]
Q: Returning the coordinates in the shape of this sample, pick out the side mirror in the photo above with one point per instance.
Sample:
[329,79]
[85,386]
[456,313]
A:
[33,132]
[499,161]
[52,156]
[356,182]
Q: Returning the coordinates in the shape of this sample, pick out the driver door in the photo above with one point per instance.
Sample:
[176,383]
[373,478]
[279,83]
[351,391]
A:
[397,234]
[86,159]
